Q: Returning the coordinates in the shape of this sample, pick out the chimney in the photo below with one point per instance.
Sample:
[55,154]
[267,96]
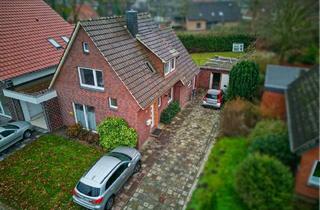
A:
[132,22]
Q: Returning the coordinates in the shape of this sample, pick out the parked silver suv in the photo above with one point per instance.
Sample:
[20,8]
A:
[98,187]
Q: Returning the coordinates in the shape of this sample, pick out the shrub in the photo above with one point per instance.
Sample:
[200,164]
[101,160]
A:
[244,79]
[264,183]
[170,112]
[115,132]
[209,42]
[267,127]
[276,145]
[74,131]
[238,117]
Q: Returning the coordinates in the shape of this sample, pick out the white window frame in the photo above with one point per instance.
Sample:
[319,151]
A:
[54,43]
[95,86]
[85,115]
[2,113]
[112,106]
[314,181]
[65,39]
[170,98]
[237,47]
[159,101]
[171,69]
[85,47]
[221,13]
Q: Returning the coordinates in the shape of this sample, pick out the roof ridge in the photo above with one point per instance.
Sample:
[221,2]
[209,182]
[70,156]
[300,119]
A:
[102,18]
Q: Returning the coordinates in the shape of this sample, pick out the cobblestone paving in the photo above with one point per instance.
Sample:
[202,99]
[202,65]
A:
[171,164]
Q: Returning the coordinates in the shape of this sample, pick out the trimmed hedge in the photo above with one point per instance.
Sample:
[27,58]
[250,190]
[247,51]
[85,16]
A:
[264,183]
[209,42]
[168,114]
[114,132]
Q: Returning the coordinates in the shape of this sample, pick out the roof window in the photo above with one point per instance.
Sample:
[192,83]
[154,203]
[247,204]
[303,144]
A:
[150,67]
[65,39]
[54,43]
[221,13]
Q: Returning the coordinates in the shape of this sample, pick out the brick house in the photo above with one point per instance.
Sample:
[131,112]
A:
[302,101]
[32,37]
[125,67]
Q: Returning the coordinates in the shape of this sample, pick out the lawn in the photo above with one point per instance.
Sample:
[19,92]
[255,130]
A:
[42,175]
[202,58]
[215,189]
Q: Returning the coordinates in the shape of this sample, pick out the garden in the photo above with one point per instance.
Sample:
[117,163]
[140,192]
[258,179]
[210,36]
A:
[251,165]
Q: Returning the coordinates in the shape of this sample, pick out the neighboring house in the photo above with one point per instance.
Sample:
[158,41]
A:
[125,67]
[276,83]
[205,15]
[84,11]
[33,38]
[214,74]
[302,100]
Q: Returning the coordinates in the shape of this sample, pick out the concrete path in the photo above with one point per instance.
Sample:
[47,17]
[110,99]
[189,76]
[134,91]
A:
[167,180]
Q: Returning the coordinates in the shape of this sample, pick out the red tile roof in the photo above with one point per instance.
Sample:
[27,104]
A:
[25,27]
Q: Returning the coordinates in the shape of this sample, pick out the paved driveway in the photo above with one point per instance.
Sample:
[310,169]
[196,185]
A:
[173,162]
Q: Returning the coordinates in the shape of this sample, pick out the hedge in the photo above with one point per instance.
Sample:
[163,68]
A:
[168,114]
[213,42]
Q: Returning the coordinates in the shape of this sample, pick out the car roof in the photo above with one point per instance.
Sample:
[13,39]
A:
[213,91]
[95,176]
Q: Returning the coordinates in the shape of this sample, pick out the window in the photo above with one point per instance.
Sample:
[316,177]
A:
[113,103]
[198,25]
[159,101]
[116,174]
[212,14]
[170,66]
[85,116]
[85,47]
[65,39]
[7,133]
[54,43]
[170,95]
[150,67]
[237,47]
[4,108]
[189,83]
[314,179]
[91,78]
[88,190]
[221,13]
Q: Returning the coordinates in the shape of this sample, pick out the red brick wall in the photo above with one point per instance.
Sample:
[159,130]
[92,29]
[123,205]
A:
[304,170]
[182,93]
[53,114]
[203,79]
[68,87]
[273,105]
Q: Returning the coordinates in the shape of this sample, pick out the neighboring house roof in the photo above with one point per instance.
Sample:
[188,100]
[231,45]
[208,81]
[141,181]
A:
[128,58]
[221,11]
[85,12]
[26,27]
[220,63]
[302,99]
[279,77]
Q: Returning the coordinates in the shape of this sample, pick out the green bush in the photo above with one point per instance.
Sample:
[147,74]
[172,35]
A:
[168,114]
[264,183]
[267,127]
[209,42]
[238,118]
[244,79]
[115,132]
[276,145]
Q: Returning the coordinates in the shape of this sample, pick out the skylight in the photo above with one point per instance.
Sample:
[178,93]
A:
[54,43]
[150,67]
[65,39]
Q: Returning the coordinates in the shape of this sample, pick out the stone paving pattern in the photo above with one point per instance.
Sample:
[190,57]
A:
[172,162]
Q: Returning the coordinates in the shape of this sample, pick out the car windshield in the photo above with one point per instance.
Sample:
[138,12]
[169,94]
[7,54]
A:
[88,190]
[9,126]
[211,96]
[120,156]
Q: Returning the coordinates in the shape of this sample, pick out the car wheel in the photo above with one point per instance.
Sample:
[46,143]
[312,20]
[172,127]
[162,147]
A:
[27,134]
[137,167]
[109,203]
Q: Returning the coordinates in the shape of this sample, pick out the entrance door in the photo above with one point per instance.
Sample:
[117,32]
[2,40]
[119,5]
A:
[215,81]
[34,114]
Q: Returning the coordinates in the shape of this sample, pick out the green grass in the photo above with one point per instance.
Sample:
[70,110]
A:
[42,175]
[202,58]
[215,189]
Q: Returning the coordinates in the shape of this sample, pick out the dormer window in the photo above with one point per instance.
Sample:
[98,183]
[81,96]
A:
[65,39]
[170,66]
[54,43]
[85,47]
